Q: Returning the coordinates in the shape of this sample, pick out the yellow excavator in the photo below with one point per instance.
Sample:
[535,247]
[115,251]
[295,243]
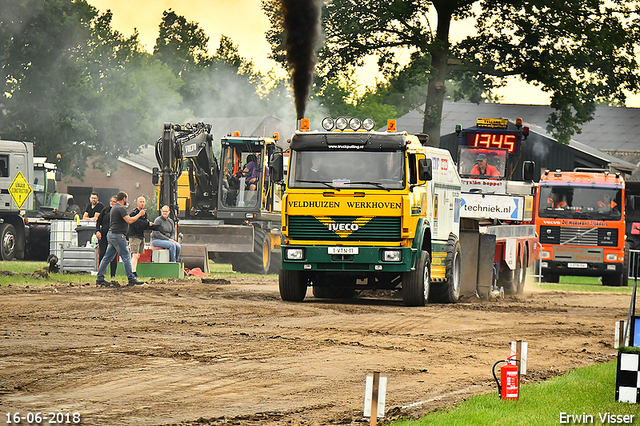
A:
[226,209]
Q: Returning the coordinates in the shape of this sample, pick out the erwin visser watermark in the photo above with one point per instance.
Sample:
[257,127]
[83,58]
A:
[600,418]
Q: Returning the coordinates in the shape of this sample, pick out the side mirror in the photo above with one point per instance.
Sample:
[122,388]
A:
[425,170]
[276,167]
[58,175]
[528,169]
[155,176]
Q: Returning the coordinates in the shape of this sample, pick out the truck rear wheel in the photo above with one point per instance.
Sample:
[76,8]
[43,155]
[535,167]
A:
[292,287]
[507,279]
[449,291]
[416,283]
[7,241]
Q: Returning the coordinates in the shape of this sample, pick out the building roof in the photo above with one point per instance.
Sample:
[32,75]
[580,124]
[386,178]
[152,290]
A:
[606,122]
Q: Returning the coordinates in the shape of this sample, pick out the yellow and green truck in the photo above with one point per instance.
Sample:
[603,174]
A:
[369,210]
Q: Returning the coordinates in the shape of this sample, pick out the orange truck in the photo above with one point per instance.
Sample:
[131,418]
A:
[580,221]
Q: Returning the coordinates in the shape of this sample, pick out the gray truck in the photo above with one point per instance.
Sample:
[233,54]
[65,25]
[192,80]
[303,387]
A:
[29,201]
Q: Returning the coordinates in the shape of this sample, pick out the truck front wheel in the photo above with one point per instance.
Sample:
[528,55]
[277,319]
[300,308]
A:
[292,287]
[7,241]
[416,283]
[449,291]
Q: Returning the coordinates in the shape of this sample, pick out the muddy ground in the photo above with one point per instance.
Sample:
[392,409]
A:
[230,351]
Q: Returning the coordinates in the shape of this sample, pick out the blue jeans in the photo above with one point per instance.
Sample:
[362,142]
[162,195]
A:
[117,244]
[174,248]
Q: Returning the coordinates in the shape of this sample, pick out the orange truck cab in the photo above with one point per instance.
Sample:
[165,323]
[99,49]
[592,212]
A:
[580,221]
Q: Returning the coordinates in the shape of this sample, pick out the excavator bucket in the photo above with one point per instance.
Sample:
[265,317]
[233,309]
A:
[217,237]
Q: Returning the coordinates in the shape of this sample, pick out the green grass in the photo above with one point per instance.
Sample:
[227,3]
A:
[588,390]
[23,274]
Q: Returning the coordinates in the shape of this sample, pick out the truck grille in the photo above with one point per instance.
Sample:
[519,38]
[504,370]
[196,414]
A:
[376,229]
[596,237]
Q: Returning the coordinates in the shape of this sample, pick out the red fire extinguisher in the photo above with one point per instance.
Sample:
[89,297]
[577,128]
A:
[508,384]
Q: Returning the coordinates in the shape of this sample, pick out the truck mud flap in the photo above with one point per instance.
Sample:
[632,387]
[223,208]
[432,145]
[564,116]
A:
[477,263]
[217,237]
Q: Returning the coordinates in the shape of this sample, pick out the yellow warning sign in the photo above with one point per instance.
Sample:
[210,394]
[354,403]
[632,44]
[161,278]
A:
[20,189]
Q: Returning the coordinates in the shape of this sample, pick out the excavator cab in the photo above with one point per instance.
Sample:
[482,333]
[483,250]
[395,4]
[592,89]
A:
[245,178]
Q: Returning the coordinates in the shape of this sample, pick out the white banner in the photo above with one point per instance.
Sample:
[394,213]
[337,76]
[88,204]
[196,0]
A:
[479,206]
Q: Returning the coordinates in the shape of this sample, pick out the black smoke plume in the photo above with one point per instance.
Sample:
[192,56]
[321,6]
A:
[302,36]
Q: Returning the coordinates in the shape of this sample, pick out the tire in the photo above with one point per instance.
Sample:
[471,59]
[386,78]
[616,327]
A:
[449,291]
[74,210]
[258,261]
[292,287]
[8,242]
[551,277]
[620,280]
[416,283]
[507,279]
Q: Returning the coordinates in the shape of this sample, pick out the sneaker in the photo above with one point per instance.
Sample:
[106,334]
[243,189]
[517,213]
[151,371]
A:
[103,283]
[135,281]
[135,274]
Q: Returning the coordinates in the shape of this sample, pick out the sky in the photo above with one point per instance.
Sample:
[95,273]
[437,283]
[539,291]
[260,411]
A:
[245,23]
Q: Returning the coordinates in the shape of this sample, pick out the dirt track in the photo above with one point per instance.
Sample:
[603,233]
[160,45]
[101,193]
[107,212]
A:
[190,353]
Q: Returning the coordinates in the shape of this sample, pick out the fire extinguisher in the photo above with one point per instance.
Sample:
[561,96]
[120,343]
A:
[508,387]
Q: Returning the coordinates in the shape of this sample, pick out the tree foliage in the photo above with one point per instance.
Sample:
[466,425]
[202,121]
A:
[73,85]
[579,51]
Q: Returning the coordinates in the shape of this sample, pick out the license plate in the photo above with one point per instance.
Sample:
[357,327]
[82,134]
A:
[577,265]
[343,250]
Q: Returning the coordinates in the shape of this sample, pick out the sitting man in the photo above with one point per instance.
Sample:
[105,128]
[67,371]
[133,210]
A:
[483,168]
[251,172]
[164,234]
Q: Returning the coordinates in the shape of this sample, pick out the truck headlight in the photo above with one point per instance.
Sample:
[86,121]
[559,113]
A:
[341,123]
[612,256]
[545,255]
[368,124]
[328,123]
[294,254]
[391,255]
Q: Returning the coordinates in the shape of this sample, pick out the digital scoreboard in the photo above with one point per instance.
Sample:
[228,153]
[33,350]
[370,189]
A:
[494,138]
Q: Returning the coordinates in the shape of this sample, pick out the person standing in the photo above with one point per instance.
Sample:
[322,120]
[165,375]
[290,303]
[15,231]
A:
[136,233]
[117,240]
[102,227]
[92,212]
[164,234]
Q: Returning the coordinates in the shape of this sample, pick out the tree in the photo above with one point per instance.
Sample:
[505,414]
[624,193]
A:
[72,85]
[579,51]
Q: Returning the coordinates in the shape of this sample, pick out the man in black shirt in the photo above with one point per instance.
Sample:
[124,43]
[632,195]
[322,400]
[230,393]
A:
[92,212]
[136,233]
[102,227]
[117,240]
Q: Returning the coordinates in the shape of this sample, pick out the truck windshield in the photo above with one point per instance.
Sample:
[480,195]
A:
[347,169]
[580,202]
[482,162]
[39,180]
